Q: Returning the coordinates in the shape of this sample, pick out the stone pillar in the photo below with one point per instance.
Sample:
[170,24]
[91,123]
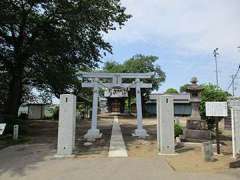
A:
[195,111]
[165,125]
[139,132]
[94,133]
[66,125]
[207,151]
[235,112]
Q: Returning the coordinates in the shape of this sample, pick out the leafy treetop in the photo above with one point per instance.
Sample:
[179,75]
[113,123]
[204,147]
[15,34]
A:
[44,43]
[171,91]
[138,64]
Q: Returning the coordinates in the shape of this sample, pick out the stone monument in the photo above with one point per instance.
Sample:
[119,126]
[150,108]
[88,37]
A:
[235,113]
[195,128]
[165,125]
[66,125]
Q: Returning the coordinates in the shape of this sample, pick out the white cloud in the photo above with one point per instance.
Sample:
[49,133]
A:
[190,26]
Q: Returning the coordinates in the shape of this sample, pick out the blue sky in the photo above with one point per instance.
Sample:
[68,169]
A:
[183,35]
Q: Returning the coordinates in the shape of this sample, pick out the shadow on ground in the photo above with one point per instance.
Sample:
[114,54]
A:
[41,146]
[17,159]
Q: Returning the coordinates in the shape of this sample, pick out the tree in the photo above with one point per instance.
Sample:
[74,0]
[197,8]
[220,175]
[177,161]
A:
[44,44]
[138,64]
[171,91]
[183,88]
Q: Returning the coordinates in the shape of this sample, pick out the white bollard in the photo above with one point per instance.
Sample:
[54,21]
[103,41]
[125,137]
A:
[66,125]
[207,151]
[15,132]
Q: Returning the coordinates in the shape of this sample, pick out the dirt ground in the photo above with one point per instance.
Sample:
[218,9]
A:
[188,158]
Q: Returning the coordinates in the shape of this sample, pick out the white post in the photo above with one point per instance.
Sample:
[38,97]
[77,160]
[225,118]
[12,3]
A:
[139,132]
[66,125]
[94,133]
[15,131]
[165,125]
[235,113]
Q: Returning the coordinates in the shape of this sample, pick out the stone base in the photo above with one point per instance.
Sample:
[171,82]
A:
[196,134]
[235,164]
[196,124]
[141,133]
[64,156]
[167,154]
[92,135]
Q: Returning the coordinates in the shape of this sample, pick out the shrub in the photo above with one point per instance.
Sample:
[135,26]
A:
[23,116]
[10,122]
[56,113]
[178,130]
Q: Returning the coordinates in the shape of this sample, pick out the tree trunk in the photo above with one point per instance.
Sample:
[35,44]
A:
[14,95]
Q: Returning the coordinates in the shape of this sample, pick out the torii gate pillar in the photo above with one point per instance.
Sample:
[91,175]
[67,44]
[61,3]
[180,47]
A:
[139,132]
[94,133]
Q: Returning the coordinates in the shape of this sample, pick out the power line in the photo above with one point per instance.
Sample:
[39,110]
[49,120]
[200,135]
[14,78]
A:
[233,79]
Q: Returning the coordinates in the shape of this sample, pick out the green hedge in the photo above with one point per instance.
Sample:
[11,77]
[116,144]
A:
[178,130]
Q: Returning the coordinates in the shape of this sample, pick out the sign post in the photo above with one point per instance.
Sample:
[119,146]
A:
[216,110]
[2,128]
[217,135]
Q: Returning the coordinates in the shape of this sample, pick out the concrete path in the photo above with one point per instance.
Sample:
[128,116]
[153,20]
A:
[99,169]
[36,162]
[117,145]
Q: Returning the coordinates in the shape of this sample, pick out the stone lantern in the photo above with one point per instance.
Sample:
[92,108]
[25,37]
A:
[195,127]
[195,92]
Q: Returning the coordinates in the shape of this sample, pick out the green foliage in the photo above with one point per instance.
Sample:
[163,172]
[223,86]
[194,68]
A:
[211,93]
[44,44]
[23,116]
[178,130]
[10,122]
[183,88]
[113,67]
[138,64]
[171,91]
[55,113]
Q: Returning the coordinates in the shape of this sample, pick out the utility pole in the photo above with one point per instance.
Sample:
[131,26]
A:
[233,85]
[215,54]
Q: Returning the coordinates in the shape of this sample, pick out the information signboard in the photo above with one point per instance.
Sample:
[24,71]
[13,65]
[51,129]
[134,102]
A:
[216,109]
[2,127]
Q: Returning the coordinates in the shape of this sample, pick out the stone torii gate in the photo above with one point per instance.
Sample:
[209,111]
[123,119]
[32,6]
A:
[116,83]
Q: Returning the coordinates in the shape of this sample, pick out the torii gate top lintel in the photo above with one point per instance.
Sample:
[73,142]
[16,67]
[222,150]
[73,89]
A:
[122,75]
[116,80]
